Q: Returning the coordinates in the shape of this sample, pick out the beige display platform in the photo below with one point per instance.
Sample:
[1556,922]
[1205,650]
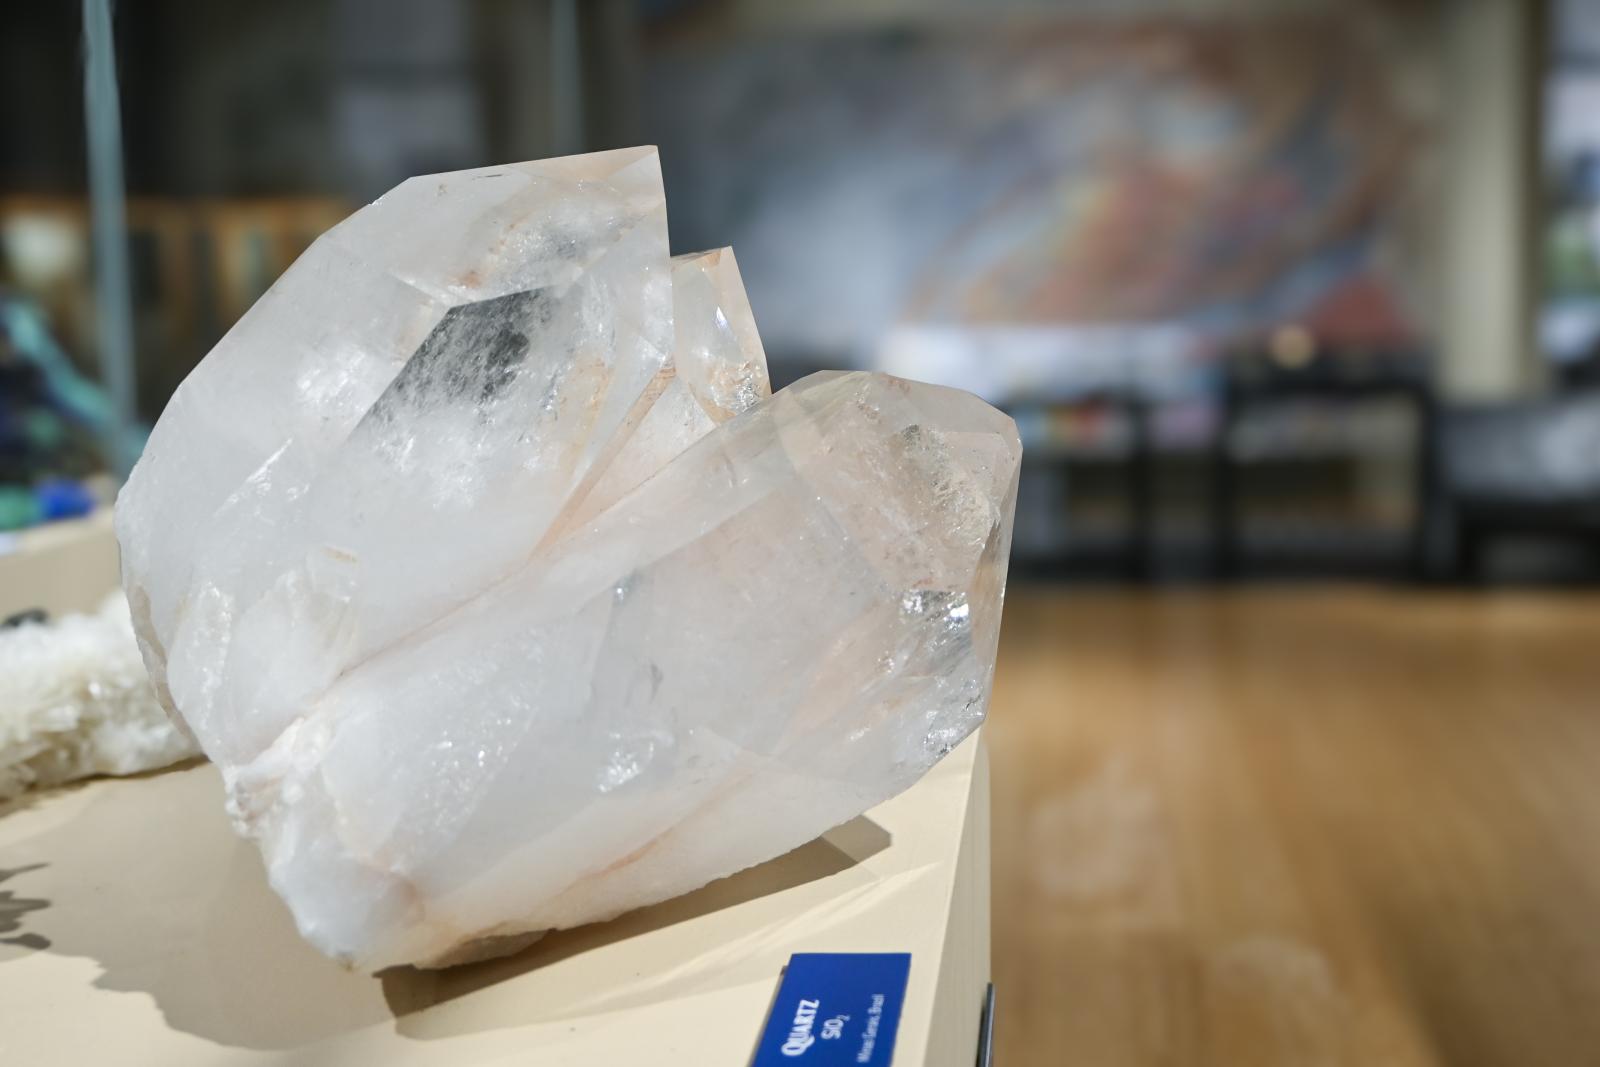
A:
[136,929]
[62,566]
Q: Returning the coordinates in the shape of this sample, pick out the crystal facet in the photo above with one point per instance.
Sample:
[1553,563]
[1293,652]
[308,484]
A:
[481,559]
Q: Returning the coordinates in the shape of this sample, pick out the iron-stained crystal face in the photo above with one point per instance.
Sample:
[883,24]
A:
[481,558]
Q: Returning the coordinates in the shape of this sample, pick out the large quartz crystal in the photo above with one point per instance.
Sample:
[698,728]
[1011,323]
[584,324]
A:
[481,559]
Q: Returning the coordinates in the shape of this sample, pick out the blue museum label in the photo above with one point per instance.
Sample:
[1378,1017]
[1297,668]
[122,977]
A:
[835,1008]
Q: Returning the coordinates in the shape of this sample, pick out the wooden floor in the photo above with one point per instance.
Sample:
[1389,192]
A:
[1297,827]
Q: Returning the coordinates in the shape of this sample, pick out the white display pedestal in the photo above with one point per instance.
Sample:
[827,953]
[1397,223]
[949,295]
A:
[135,928]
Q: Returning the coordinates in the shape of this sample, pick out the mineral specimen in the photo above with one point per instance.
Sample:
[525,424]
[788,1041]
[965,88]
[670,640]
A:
[480,558]
[75,702]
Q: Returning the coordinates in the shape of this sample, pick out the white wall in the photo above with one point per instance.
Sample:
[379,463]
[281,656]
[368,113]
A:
[1488,182]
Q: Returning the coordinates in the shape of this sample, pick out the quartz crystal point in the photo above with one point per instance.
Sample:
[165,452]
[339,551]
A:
[480,558]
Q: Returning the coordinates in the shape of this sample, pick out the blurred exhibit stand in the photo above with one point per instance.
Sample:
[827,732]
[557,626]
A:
[1332,463]
[1325,423]
[1522,470]
[1312,462]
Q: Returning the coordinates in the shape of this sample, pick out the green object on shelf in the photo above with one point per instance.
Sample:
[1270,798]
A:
[19,507]
[44,429]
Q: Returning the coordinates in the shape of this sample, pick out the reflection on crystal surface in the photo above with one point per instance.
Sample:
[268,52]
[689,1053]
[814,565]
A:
[508,598]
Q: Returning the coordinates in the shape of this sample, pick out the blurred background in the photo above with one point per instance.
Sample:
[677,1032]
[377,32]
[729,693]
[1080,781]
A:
[1271,286]
[1296,304]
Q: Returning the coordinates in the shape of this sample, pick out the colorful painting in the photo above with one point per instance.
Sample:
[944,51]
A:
[1110,181]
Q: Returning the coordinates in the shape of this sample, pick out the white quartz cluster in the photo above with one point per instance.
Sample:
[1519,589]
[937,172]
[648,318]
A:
[481,558]
[75,702]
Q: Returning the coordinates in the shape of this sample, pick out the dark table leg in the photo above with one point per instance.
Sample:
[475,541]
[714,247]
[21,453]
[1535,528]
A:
[1141,493]
[1224,492]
